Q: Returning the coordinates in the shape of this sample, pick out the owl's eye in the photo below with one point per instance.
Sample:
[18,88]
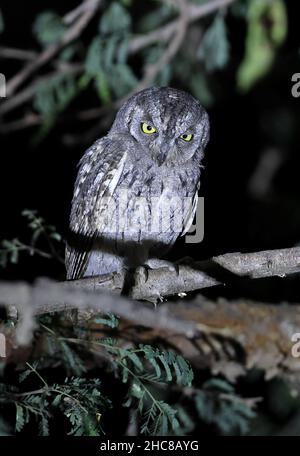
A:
[148,129]
[187,137]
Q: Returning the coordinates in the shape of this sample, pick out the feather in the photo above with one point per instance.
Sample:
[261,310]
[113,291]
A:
[98,177]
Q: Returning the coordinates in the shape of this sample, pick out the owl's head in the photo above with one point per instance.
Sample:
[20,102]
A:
[169,124]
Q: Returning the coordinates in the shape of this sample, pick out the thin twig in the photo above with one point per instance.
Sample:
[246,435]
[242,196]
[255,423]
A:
[18,54]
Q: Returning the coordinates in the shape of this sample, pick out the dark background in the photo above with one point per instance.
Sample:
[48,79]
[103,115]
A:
[243,127]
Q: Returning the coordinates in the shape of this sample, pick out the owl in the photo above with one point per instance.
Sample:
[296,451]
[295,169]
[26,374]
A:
[137,187]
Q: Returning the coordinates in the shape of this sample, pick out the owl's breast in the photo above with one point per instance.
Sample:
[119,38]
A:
[151,205]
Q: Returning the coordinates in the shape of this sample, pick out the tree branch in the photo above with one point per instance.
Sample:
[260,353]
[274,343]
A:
[71,34]
[198,275]
[164,33]
[228,337]
[189,13]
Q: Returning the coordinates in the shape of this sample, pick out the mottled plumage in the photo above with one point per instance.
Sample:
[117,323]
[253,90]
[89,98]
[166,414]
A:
[146,168]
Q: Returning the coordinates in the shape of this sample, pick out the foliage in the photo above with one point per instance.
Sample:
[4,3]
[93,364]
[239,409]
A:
[1,22]
[106,59]
[41,233]
[52,96]
[217,404]
[48,28]
[214,46]
[267,29]
[144,370]
[100,63]
[79,399]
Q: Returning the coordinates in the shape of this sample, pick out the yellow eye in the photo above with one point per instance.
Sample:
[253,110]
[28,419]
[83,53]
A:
[187,137]
[148,129]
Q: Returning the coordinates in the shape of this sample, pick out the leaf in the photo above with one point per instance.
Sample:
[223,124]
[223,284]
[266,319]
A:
[1,22]
[164,76]
[52,96]
[240,8]
[72,360]
[199,86]
[123,80]
[93,60]
[136,361]
[186,424]
[20,420]
[111,321]
[216,384]
[115,19]
[24,375]
[155,18]
[184,372]
[229,414]
[267,30]
[44,426]
[214,47]
[48,28]
[102,86]
[166,367]
[56,236]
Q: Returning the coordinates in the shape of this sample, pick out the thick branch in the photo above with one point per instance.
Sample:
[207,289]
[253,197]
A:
[202,274]
[227,336]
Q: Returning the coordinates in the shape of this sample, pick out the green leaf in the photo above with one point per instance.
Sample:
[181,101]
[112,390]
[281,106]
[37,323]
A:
[218,385]
[44,426]
[1,22]
[115,19]
[53,96]
[267,30]
[228,413]
[72,360]
[214,47]
[151,56]
[110,320]
[56,236]
[24,375]
[155,18]
[48,28]
[240,8]
[102,86]
[123,80]
[186,423]
[93,60]
[199,86]
[20,420]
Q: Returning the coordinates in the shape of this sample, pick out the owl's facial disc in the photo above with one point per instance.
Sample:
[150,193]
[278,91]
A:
[170,126]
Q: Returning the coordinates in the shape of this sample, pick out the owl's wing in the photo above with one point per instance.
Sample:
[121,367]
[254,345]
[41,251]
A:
[191,210]
[99,173]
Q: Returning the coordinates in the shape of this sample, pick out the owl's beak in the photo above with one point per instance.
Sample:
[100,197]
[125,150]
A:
[162,154]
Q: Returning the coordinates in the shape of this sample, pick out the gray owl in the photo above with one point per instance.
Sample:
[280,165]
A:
[137,187]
